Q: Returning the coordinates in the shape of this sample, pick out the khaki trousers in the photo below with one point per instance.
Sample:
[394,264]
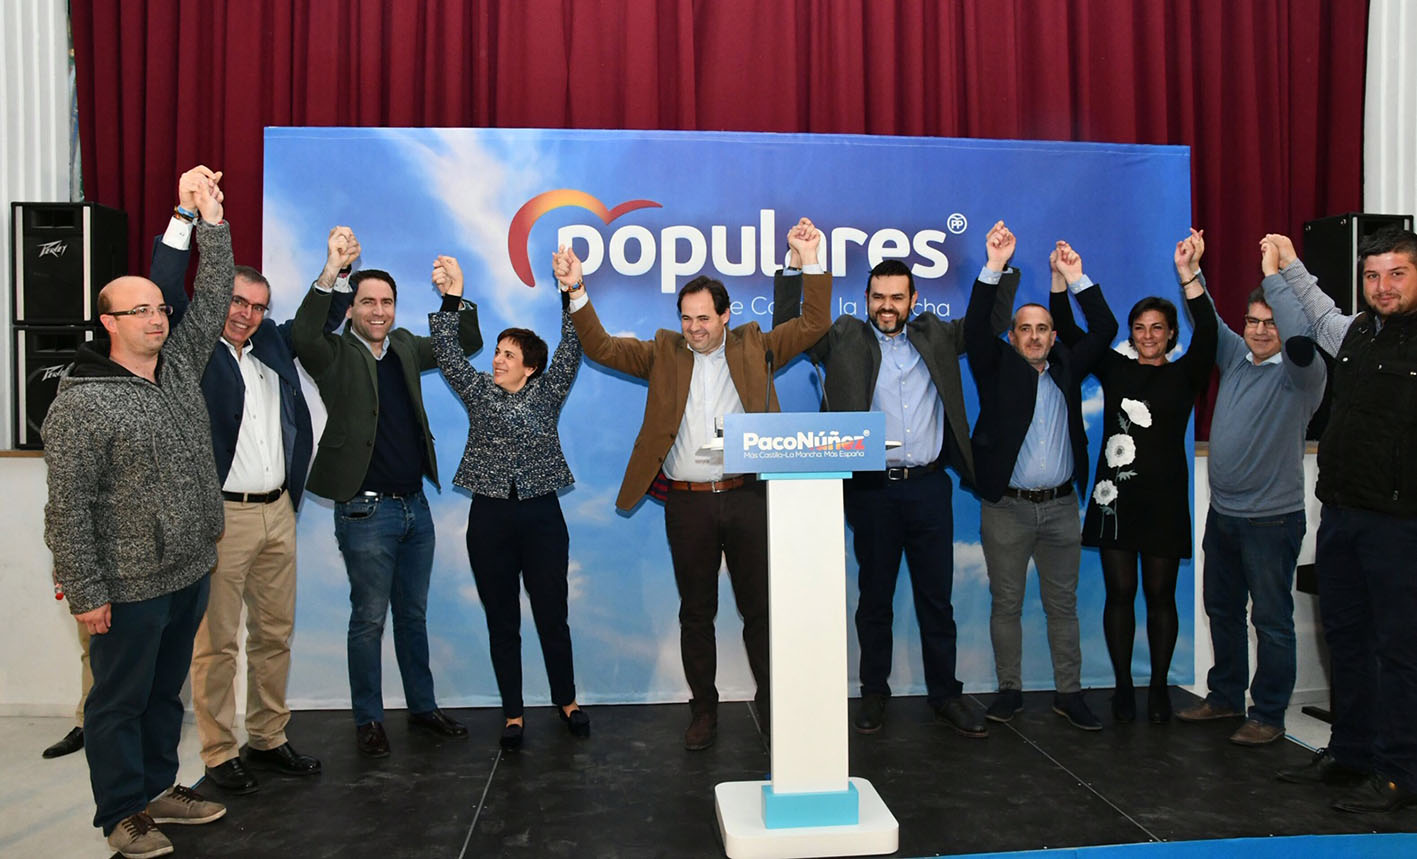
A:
[85,675]
[255,568]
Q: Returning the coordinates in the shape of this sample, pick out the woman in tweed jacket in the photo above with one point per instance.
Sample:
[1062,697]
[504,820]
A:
[513,466]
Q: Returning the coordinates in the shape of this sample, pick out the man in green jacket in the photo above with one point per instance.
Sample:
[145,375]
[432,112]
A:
[372,458]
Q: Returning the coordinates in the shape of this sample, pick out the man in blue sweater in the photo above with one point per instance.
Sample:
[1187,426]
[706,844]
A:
[1269,388]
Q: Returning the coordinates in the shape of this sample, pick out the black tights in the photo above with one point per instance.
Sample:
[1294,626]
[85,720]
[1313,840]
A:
[1119,622]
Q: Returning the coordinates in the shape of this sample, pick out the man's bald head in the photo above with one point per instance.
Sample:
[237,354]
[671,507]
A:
[134,339]
[128,291]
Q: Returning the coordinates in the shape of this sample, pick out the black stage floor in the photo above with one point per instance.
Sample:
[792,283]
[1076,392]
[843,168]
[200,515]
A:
[632,789]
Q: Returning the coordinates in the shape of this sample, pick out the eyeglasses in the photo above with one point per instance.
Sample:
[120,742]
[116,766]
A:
[1254,322]
[242,304]
[144,311]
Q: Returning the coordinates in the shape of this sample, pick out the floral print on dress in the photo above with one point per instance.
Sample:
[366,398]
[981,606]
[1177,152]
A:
[1119,451]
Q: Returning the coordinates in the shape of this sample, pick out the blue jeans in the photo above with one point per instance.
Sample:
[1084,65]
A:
[1368,599]
[133,715]
[388,553]
[1252,559]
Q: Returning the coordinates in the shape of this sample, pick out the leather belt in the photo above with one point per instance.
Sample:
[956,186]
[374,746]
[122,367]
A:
[378,495]
[1038,496]
[253,497]
[712,485]
[904,472]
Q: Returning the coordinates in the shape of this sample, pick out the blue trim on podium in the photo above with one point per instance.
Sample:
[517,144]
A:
[821,808]
[805,475]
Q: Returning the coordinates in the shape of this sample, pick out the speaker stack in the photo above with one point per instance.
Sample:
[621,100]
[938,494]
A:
[61,255]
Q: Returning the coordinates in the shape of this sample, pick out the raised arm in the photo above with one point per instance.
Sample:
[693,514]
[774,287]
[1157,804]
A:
[626,354]
[447,274]
[1326,323]
[443,326]
[797,335]
[311,333]
[193,339]
[981,340]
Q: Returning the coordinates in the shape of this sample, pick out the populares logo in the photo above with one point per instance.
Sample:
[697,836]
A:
[829,441]
[682,250]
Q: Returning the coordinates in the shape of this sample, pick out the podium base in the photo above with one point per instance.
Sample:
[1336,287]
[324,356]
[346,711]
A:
[740,821]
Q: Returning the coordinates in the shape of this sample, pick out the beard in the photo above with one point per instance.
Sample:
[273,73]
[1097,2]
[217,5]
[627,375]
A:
[898,327]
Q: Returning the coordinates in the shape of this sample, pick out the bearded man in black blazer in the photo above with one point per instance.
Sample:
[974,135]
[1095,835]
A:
[908,369]
[1030,449]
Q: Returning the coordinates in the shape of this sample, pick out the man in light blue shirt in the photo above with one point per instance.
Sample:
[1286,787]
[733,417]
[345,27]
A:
[1030,453]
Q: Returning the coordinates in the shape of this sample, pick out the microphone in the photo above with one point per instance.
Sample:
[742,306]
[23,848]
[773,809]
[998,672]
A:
[767,391]
[822,379]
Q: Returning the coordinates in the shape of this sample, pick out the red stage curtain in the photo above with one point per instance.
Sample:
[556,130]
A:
[1268,93]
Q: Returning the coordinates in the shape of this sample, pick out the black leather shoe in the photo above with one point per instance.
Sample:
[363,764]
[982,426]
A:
[962,718]
[511,736]
[1323,769]
[578,723]
[72,742]
[283,759]
[870,714]
[438,722]
[1376,796]
[233,777]
[702,731]
[372,741]
[1158,705]
[1005,705]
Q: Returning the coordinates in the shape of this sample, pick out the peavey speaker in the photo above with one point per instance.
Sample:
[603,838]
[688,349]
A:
[42,355]
[61,256]
[1330,253]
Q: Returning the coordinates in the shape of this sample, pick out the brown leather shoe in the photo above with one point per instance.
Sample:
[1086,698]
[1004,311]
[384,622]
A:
[703,730]
[1206,711]
[1256,733]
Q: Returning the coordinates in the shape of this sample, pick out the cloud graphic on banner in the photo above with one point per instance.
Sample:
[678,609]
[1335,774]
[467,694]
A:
[542,203]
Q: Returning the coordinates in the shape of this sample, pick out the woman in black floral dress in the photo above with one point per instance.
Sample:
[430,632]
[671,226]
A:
[1139,512]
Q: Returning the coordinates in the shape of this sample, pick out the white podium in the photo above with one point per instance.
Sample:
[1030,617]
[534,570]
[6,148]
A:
[811,806]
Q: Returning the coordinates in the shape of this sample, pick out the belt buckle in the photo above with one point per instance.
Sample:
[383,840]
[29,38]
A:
[899,472]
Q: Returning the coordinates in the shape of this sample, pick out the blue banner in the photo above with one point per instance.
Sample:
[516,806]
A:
[647,210]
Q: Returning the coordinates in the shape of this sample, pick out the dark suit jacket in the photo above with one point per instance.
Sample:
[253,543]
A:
[852,358]
[667,363]
[223,388]
[1008,385]
[347,376]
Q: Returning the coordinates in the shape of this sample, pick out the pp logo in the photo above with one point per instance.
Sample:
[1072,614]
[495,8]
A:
[957,223]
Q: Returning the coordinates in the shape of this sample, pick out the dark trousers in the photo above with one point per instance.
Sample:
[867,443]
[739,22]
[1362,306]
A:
[915,517]
[1368,600]
[706,529]
[508,542]
[1245,560]
[133,718]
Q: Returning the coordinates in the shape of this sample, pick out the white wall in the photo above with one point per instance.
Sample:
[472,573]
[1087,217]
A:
[1311,684]
[39,670]
[35,132]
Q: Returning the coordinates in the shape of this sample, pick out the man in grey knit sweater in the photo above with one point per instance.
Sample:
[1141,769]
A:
[1270,384]
[133,518]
